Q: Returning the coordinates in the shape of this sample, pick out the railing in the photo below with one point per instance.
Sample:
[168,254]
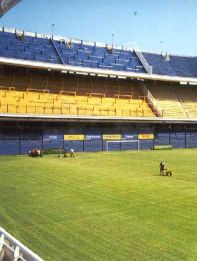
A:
[73,111]
[12,249]
[95,94]
[132,46]
[72,93]
[56,50]
[155,104]
[37,90]
[5,88]
[144,62]
[124,96]
[151,100]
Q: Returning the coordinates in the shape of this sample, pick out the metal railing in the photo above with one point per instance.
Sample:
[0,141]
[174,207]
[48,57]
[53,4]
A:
[132,46]
[56,50]
[151,100]
[147,67]
[14,250]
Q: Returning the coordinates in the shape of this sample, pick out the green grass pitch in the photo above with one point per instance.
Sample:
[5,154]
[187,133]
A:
[102,206]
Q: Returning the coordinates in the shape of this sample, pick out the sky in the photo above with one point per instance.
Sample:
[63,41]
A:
[154,25]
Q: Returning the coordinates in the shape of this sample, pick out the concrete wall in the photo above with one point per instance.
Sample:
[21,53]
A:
[19,139]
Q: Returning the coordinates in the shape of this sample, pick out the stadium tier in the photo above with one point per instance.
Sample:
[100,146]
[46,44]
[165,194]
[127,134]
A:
[67,52]
[173,65]
[63,93]
[42,94]
[60,50]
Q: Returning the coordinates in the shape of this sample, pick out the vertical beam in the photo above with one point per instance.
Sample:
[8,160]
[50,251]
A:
[16,253]
[2,240]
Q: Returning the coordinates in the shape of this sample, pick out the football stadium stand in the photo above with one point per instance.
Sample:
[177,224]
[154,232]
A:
[77,53]
[59,93]
[166,96]
[36,94]
[172,65]
[37,47]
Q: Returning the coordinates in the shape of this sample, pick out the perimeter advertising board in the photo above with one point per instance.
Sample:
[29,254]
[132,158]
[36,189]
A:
[146,136]
[93,136]
[73,137]
[111,136]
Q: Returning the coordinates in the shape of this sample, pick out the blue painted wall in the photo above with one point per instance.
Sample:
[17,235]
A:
[9,146]
[191,139]
[53,138]
[15,140]
[162,137]
[178,139]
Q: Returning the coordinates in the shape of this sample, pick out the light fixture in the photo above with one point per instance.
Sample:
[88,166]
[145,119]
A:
[63,71]
[122,77]
[82,73]
[102,75]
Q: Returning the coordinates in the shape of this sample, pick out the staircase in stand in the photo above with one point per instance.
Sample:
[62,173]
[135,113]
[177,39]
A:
[153,103]
[56,50]
[144,62]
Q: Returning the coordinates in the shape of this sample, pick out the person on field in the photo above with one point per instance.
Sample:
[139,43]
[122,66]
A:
[65,153]
[39,152]
[162,167]
[72,152]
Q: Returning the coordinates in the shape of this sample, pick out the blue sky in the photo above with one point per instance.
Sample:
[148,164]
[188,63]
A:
[155,25]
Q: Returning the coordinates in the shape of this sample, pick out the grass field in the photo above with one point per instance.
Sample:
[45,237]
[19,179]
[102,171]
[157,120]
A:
[102,206]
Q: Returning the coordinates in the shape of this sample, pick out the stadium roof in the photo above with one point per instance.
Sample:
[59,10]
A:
[6,5]
[95,72]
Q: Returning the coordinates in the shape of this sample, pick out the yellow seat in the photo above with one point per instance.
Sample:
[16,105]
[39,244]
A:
[78,102]
[3,108]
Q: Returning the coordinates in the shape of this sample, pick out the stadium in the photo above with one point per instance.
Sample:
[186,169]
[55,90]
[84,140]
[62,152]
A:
[134,108]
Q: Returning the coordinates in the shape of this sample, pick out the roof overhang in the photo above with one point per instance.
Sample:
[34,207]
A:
[94,71]
[7,5]
[101,119]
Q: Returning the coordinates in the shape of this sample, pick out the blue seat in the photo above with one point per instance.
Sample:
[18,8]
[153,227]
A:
[109,59]
[83,54]
[124,56]
[89,63]
[119,67]
[98,59]
[68,55]
[99,51]
[76,54]
[89,48]
[121,61]
[29,56]
[41,58]
[74,62]
[103,66]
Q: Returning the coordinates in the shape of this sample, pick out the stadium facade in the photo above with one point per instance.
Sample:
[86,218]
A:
[62,93]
